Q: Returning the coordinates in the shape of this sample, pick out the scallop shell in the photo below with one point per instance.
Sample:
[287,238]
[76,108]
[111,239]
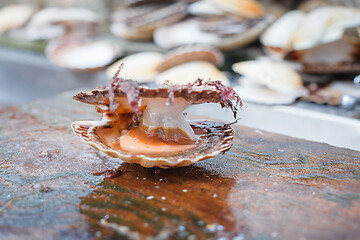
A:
[318,40]
[191,53]
[339,56]
[205,9]
[140,22]
[51,23]
[190,71]
[219,139]
[277,76]
[14,16]
[277,38]
[243,8]
[268,82]
[265,96]
[190,32]
[332,93]
[212,138]
[82,55]
[141,67]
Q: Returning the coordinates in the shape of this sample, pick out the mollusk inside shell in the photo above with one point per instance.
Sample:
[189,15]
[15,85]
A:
[147,126]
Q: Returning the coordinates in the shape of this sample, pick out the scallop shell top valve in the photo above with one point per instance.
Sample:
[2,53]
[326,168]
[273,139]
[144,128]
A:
[147,126]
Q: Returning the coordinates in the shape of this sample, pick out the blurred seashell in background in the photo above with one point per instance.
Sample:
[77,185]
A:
[139,23]
[268,82]
[203,8]
[332,93]
[140,67]
[189,53]
[318,40]
[15,16]
[51,23]
[189,72]
[136,3]
[243,8]
[224,24]
[82,55]
[197,30]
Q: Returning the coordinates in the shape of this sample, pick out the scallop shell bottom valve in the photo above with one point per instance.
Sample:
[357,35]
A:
[147,126]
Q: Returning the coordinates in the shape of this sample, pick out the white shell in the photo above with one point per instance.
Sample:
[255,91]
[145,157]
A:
[338,52]
[139,66]
[265,95]
[43,24]
[82,56]
[277,76]
[14,16]
[183,33]
[324,25]
[279,34]
[298,31]
[189,72]
[203,8]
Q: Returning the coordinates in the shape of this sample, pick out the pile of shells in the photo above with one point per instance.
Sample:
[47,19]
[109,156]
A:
[179,66]
[325,40]
[139,19]
[226,24]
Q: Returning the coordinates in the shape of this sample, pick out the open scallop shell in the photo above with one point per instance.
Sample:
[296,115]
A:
[82,55]
[211,138]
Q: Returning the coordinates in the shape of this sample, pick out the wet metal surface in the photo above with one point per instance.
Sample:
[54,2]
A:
[268,186]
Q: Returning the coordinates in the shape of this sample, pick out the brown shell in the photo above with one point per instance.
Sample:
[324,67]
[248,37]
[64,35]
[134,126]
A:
[136,3]
[216,138]
[139,23]
[101,96]
[191,53]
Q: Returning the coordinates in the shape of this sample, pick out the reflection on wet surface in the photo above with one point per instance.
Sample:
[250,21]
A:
[53,186]
[173,203]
